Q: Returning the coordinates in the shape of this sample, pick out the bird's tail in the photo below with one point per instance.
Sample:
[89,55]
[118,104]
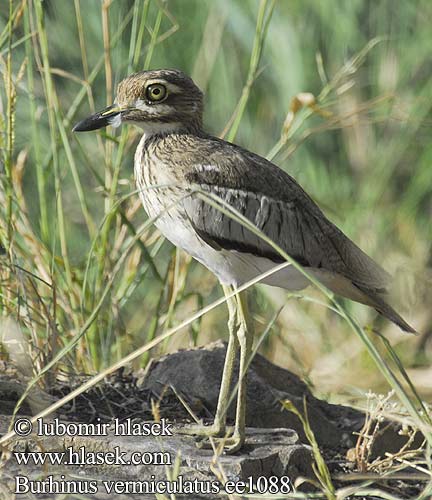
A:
[376,300]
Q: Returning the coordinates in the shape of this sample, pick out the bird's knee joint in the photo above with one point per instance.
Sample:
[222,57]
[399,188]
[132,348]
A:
[242,334]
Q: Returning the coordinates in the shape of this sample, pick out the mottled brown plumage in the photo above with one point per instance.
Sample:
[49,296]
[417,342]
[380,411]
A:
[176,159]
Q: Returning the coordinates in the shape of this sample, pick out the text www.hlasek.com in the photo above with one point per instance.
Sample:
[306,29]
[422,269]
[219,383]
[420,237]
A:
[81,457]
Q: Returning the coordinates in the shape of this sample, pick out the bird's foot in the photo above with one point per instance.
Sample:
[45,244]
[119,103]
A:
[200,430]
[215,435]
[228,444]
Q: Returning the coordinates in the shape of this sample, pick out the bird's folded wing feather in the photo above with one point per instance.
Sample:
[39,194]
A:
[274,202]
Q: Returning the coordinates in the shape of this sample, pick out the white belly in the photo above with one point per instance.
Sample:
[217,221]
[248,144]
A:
[230,267]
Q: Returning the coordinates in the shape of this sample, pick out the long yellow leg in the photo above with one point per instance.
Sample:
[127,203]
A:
[219,426]
[244,336]
[245,339]
[222,407]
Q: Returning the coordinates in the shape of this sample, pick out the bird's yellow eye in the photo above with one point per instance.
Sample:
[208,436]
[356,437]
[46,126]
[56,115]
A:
[156,92]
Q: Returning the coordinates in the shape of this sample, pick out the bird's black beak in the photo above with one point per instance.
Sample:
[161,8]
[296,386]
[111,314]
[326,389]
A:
[108,116]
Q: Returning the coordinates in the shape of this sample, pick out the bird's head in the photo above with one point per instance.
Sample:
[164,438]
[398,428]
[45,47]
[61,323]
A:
[163,100]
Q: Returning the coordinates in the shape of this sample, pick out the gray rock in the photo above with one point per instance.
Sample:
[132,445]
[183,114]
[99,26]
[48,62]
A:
[275,442]
[196,374]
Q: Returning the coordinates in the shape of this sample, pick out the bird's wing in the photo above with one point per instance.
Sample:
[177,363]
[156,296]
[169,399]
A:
[276,204]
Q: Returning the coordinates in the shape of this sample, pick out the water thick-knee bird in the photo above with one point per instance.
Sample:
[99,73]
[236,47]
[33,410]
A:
[177,163]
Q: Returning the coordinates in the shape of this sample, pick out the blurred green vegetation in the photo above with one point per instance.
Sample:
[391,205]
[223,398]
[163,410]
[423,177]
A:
[71,269]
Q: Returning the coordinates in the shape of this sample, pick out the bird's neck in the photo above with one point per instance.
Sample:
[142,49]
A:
[162,129]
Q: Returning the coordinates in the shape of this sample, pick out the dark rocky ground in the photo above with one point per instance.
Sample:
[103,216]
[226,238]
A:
[194,375]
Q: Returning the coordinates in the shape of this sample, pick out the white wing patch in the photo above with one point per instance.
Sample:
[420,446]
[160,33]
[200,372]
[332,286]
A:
[207,168]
